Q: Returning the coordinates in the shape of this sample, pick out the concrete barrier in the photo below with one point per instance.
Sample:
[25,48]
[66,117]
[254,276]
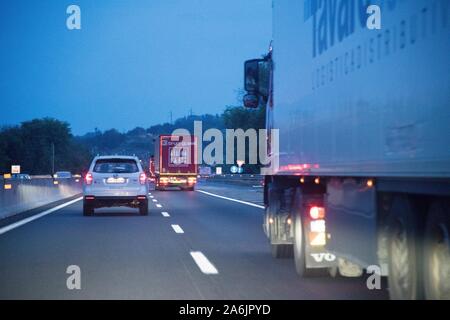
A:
[29,194]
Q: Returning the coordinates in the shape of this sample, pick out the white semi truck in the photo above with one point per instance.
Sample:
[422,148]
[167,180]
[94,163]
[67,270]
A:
[363,114]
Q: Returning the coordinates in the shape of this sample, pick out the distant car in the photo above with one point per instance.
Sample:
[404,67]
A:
[114,181]
[20,176]
[62,175]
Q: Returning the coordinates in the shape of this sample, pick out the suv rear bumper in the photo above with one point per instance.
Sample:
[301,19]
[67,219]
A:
[120,201]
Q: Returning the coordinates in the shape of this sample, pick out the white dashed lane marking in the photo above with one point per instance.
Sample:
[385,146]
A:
[177,228]
[203,263]
[165,214]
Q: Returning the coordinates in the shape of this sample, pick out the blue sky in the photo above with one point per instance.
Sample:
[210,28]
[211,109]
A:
[132,62]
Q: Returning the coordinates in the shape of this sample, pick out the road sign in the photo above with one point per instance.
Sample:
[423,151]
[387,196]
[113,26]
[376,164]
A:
[218,170]
[234,169]
[240,163]
[204,171]
[240,170]
[15,169]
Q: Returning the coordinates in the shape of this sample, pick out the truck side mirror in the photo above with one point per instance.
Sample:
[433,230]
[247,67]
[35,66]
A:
[256,81]
[251,75]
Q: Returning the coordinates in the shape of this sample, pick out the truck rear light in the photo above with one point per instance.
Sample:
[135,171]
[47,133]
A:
[142,178]
[88,178]
[141,197]
[317,226]
[317,213]
[192,180]
[317,239]
[164,180]
[89,198]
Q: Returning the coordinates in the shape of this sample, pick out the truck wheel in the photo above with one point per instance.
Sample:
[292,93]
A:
[437,254]
[404,250]
[88,210]
[143,209]
[299,238]
[299,247]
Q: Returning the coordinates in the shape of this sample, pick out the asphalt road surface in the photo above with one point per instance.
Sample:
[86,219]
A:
[191,246]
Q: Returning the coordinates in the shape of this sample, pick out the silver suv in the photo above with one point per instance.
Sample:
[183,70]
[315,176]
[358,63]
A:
[114,181]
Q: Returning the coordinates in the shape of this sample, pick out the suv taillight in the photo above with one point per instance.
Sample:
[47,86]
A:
[142,178]
[88,178]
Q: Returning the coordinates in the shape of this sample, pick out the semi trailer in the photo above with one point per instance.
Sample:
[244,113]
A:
[363,113]
[175,162]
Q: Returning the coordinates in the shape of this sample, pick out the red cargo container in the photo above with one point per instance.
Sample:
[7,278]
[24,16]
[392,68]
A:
[176,162]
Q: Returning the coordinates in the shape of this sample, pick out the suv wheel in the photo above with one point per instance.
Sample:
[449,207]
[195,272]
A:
[143,208]
[88,210]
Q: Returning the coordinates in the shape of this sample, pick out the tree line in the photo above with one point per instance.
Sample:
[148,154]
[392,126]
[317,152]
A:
[40,145]
[37,144]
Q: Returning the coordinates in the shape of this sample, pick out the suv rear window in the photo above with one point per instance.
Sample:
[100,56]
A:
[116,166]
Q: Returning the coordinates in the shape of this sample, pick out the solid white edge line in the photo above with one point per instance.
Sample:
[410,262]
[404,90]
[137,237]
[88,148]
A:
[177,228]
[158,205]
[165,214]
[231,199]
[37,216]
[203,263]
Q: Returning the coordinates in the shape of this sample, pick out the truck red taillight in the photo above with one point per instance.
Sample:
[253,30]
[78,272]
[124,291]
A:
[88,178]
[142,178]
[317,230]
[317,212]
[192,180]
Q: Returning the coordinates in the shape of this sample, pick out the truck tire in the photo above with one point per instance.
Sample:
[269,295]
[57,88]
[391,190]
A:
[437,253]
[299,237]
[143,208]
[88,210]
[299,247]
[404,252]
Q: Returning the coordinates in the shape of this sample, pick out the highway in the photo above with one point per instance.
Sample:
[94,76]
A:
[192,245]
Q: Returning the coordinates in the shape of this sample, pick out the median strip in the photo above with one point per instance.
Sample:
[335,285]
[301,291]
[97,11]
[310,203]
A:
[231,199]
[203,263]
[37,216]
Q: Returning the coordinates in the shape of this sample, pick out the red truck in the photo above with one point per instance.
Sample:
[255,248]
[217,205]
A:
[175,162]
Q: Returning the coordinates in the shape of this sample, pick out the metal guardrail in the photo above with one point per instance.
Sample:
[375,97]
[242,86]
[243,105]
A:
[237,179]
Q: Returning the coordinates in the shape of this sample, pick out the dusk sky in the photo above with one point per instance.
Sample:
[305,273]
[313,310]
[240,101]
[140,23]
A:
[131,63]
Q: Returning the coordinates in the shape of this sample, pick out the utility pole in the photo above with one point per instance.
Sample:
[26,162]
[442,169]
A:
[171,120]
[53,158]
